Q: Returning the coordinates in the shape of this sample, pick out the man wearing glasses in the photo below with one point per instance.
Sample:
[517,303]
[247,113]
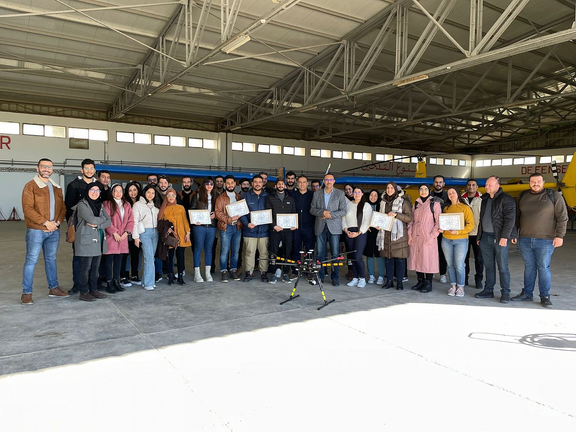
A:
[75,191]
[329,207]
[44,210]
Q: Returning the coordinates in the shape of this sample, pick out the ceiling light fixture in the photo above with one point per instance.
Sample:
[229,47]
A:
[235,43]
[164,88]
[310,108]
[410,80]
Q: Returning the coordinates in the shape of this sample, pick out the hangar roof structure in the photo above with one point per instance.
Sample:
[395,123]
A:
[460,76]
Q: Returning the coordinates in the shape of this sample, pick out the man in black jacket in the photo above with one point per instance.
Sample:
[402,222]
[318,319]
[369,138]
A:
[280,202]
[496,230]
[304,238]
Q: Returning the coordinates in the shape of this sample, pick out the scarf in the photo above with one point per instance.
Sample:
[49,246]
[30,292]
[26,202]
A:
[397,227]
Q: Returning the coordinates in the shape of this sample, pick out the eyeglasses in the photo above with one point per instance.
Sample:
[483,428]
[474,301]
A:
[329,180]
[173,195]
[95,190]
[358,193]
[209,184]
[89,169]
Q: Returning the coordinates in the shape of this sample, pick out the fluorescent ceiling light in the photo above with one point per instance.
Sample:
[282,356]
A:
[235,43]
[410,80]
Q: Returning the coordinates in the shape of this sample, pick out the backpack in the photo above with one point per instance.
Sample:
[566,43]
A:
[432,200]
[549,192]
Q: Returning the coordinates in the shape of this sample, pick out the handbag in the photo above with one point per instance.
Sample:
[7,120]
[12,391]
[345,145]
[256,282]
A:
[171,239]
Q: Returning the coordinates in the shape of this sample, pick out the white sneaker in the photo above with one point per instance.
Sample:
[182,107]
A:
[150,288]
[361,283]
[443,278]
[460,292]
[380,280]
[452,291]
[405,279]
[371,279]
[353,282]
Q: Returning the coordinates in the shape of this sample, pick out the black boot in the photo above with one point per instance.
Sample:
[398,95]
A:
[170,278]
[117,286]
[427,287]
[181,279]
[399,285]
[419,285]
[110,288]
[389,284]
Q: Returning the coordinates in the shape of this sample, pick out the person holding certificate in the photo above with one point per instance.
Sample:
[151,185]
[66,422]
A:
[355,225]
[280,202]
[393,244]
[422,234]
[455,242]
[204,235]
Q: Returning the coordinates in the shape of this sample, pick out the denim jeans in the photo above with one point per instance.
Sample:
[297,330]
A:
[455,254]
[203,240]
[334,240]
[48,242]
[395,264]
[379,264]
[358,244]
[149,241]
[492,254]
[536,254]
[230,242]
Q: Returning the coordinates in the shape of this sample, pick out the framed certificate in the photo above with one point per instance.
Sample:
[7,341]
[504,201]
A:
[451,221]
[382,221]
[239,208]
[287,220]
[261,217]
[202,216]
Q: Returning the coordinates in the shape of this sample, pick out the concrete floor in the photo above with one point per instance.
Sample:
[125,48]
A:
[229,357]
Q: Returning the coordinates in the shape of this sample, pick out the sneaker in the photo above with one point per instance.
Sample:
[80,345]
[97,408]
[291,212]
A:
[460,292]
[286,278]
[522,297]
[443,278]
[293,277]
[87,297]
[234,275]
[452,291]
[505,298]
[57,292]
[545,301]
[158,277]
[26,299]
[278,274]
[380,280]
[405,279]
[125,283]
[335,282]
[97,294]
[136,280]
[149,288]
[371,279]
[224,277]
[361,282]
[248,277]
[353,282]
[264,277]
[273,279]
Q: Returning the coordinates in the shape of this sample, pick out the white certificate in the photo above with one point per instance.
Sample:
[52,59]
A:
[261,217]
[287,220]
[202,216]
[382,221]
[451,221]
[239,208]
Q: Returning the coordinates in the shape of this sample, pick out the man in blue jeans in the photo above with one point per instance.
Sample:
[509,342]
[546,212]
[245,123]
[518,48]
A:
[230,230]
[44,211]
[329,207]
[496,230]
[541,219]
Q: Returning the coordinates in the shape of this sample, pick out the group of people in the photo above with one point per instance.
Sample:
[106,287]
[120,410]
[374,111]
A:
[120,232]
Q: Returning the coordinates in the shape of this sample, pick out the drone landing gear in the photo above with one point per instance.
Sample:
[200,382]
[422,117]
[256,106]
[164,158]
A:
[317,281]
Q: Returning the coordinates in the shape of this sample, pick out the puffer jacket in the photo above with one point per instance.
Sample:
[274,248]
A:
[398,248]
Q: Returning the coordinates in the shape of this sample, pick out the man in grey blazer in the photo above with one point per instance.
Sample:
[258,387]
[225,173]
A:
[329,207]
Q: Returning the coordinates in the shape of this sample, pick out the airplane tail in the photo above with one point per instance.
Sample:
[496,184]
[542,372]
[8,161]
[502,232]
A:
[568,185]
[420,169]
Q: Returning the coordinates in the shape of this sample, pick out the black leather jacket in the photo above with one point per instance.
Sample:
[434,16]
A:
[503,216]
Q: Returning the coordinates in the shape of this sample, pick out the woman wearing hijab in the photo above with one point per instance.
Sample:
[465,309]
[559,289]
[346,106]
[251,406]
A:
[121,223]
[422,233]
[455,243]
[132,193]
[175,213]
[355,225]
[205,199]
[90,240]
[373,258]
[393,245]
[145,232]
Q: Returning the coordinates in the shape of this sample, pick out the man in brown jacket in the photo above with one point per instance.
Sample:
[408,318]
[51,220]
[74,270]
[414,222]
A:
[44,211]
[230,230]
